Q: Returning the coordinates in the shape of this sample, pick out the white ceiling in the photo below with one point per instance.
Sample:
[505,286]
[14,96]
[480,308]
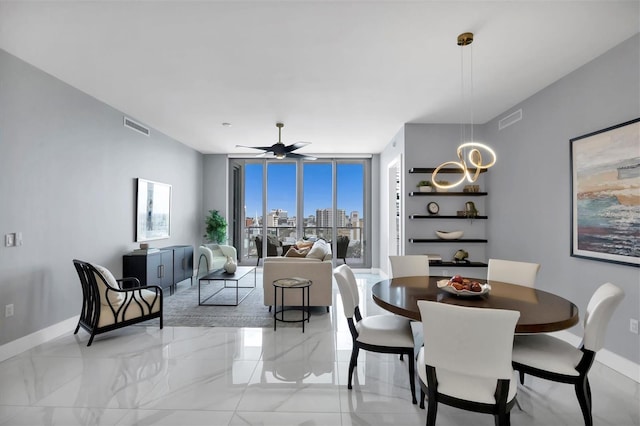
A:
[344,75]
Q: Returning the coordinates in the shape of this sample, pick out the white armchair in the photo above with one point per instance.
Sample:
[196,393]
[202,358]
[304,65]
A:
[213,256]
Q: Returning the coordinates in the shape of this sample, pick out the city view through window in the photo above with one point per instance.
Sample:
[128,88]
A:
[313,202]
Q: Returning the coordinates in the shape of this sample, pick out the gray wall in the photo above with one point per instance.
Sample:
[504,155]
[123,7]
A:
[216,187]
[530,185]
[68,184]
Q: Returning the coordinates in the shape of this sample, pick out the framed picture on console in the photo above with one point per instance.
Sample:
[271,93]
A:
[153,210]
[605,191]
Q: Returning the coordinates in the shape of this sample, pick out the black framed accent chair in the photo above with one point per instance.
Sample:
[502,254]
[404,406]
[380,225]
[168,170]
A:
[389,334]
[343,245]
[272,246]
[550,358]
[106,307]
[467,364]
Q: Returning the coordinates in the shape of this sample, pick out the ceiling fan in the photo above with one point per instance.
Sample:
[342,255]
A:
[281,150]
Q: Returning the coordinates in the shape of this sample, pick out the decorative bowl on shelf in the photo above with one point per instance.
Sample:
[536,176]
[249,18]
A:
[453,235]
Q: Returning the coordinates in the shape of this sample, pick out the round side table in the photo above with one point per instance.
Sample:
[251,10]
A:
[291,283]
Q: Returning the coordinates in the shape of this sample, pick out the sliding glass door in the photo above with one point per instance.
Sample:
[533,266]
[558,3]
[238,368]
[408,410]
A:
[318,201]
[292,200]
[350,187]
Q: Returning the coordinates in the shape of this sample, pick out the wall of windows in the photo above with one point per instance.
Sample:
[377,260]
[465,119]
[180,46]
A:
[290,200]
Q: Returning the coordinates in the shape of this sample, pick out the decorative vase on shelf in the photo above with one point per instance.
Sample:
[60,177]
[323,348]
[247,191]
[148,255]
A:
[230,266]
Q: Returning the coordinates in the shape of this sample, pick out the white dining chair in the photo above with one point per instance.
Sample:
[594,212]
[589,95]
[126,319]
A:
[509,271]
[378,333]
[410,265]
[467,361]
[550,358]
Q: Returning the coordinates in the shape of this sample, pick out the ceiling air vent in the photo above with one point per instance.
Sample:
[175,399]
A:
[510,119]
[133,125]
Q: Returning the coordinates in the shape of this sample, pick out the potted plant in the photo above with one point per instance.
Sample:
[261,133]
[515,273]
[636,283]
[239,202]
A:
[424,186]
[216,227]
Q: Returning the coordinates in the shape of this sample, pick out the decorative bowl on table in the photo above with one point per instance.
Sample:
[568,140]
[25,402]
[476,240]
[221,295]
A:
[448,286]
[453,235]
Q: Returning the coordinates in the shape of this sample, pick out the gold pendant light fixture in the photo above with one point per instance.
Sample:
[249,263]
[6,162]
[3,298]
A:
[469,153]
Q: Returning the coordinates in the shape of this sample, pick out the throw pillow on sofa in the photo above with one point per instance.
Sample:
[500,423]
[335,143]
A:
[302,244]
[294,252]
[319,250]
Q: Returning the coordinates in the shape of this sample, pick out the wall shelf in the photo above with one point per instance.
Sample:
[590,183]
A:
[438,240]
[448,202]
[436,216]
[443,170]
[447,194]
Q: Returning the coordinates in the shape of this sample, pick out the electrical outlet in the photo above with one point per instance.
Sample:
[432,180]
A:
[9,240]
[633,326]
[8,310]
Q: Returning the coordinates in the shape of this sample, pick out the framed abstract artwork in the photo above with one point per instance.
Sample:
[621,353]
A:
[153,210]
[605,191]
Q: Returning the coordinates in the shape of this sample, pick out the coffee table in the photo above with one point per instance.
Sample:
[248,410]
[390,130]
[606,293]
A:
[222,275]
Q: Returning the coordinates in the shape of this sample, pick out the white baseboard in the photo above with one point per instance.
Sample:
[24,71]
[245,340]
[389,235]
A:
[25,343]
[615,362]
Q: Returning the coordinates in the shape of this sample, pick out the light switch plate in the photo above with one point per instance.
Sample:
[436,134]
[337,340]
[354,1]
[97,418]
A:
[9,240]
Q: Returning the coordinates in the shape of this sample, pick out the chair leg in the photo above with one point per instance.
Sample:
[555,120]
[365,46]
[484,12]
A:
[412,378]
[401,357]
[160,322]
[521,377]
[77,328]
[327,309]
[583,392]
[421,398]
[269,308]
[91,339]
[352,365]
[502,419]
[432,411]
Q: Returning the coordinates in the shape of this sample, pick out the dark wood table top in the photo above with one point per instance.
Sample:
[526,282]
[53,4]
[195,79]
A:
[540,311]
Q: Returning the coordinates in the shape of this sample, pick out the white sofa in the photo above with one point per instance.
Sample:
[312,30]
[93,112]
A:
[213,256]
[319,271]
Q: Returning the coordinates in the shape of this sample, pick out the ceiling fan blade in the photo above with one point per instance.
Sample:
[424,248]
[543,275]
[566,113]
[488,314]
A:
[306,157]
[264,148]
[296,145]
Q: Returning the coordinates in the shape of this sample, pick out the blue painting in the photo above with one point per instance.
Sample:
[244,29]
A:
[606,194]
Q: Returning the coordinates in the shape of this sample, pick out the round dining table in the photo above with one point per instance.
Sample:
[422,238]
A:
[540,311]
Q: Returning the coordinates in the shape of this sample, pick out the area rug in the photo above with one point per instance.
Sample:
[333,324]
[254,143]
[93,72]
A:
[181,309]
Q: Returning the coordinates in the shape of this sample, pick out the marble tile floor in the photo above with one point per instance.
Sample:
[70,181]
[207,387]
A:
[255,376]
